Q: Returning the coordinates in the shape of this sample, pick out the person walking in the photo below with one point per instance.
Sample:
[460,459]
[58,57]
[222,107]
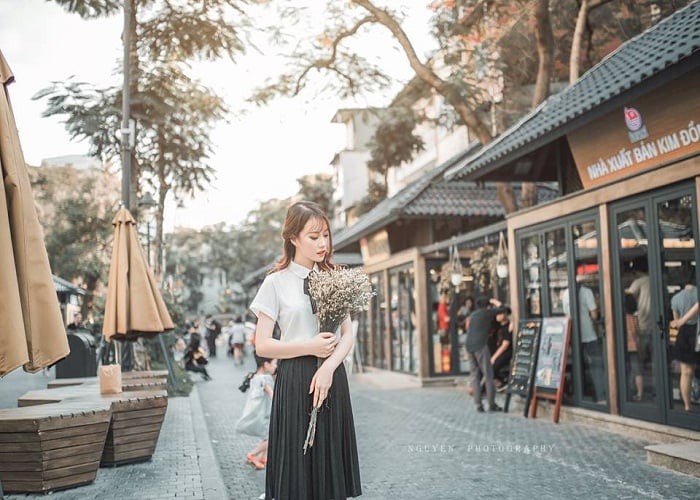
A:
[330,468]
[212,333]
[255,419]
[237,339]
[481,321]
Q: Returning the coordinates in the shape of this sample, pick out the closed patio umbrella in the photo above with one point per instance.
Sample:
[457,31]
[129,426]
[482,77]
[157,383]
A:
[32,333]
[134,306]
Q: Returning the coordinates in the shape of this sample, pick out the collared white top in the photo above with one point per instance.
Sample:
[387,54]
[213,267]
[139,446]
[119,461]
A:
[281,297]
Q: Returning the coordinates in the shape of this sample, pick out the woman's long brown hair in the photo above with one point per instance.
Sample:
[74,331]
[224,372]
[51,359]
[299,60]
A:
[297,216]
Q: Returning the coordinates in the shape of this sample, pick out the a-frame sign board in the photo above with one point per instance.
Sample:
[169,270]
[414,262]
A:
[551,363]
[522,365]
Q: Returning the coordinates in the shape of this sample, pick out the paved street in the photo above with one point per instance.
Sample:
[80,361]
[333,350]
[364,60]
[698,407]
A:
[413,443]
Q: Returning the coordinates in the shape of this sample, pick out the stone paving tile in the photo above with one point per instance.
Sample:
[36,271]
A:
[422,443]
[429,443]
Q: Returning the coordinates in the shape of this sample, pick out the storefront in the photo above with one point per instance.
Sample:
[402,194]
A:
[403,330]
[628,157]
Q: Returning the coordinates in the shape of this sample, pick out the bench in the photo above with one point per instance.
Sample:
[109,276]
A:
[52,446]
[136,418]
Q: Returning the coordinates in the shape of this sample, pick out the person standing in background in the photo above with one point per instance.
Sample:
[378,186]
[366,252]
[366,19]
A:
[632,334]
[639,289]
[591,345]
[77,323]
[685,318]
[481,321]
[213,331]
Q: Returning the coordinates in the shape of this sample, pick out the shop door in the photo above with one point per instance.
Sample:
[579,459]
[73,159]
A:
[654,254]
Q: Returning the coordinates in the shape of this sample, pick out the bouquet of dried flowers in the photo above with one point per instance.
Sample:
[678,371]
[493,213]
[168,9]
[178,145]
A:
[336,294]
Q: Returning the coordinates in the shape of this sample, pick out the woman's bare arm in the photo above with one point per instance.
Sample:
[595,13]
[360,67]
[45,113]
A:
[322,345]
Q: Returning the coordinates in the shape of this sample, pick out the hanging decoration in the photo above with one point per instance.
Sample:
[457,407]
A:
[502,257]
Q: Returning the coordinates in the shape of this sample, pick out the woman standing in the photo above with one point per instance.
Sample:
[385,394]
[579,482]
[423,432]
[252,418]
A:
[330,468]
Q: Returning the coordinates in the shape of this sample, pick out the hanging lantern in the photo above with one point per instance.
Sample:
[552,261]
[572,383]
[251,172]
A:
[455,267]
[502,257]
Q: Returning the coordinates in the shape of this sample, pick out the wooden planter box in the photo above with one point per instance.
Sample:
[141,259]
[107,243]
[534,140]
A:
[52,446]
[135,427]
[136,418]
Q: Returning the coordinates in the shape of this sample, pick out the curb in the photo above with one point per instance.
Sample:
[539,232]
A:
[213,485]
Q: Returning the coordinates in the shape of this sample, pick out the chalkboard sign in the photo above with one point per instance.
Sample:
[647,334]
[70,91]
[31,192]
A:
[551,359]
[522,367]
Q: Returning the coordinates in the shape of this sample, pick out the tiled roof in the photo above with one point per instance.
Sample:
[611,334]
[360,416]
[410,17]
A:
[390,209]
[674,39]
[462,198]
[432,196]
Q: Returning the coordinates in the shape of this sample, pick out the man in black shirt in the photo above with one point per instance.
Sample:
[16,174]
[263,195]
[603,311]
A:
[77,323]
[481,321]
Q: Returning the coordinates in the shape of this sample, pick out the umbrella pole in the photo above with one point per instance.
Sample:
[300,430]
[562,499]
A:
[168,363]
[117,354]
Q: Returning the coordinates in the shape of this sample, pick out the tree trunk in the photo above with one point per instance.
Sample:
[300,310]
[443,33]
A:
[577,40]
[545,52]
[163,188]
[475,125]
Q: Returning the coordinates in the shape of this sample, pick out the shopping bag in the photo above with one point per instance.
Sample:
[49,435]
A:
[110,379]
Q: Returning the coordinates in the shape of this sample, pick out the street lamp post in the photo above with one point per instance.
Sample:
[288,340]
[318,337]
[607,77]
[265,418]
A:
[148,204]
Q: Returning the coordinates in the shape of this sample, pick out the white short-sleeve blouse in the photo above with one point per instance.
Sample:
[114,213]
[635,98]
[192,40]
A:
[281,297]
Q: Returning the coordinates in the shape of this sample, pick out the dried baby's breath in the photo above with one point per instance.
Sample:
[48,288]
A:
[336,294]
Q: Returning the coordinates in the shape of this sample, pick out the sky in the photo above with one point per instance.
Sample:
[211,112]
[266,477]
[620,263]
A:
[258,155]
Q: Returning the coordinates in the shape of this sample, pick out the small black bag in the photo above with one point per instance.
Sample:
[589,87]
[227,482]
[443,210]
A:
[245,385]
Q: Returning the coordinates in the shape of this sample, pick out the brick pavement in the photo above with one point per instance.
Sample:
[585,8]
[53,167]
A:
[183,465]
[429,443]
[414,443]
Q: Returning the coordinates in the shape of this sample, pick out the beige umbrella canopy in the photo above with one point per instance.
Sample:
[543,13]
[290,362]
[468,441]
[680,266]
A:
[134,306]
[32,333]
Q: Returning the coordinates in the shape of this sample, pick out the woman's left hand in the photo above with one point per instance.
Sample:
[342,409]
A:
[321,385]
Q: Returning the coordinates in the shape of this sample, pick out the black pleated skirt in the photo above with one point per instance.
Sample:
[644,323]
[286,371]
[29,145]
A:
[330,468]
[684,350]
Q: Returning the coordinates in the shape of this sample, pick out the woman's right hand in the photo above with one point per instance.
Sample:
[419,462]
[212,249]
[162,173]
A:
[322,345]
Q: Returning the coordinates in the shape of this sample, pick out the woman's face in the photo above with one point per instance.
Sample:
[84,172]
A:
[312,244]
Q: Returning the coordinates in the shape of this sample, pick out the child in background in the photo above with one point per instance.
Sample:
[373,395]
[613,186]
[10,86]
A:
[255,420]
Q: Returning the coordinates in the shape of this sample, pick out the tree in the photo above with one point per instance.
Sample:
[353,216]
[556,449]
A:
[164,38]
[77,224]
[318,188]
[394,142]
[485,54]
[355,74]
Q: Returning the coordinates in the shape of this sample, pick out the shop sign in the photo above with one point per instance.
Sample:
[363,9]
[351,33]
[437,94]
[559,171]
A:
[653,130]
[375,247]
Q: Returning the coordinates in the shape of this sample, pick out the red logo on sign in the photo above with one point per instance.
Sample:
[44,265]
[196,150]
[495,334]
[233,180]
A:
[633,119]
